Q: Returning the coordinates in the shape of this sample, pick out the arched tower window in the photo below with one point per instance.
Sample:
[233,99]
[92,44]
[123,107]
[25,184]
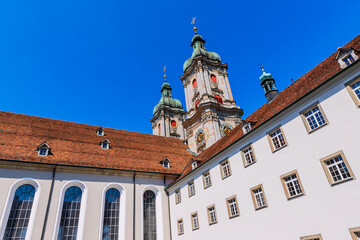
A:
[213,78]
[197,103]
[20,212]
[149,215]
[218,99]
[111,214]
[173,123]
[159,127]
[194,83]
[70,213]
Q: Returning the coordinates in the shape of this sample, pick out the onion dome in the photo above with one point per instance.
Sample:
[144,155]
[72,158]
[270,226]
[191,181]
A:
[265,75]
[198,49]
[166,101]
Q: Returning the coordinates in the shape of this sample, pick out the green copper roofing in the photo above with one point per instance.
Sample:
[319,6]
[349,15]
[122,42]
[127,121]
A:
[167,101]
[265,75]
[199,49]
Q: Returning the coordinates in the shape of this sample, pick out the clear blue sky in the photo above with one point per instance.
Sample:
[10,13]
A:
[101,62]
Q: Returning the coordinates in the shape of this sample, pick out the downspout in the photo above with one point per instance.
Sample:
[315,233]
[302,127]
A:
[167,194]
[134,202]
[48,204]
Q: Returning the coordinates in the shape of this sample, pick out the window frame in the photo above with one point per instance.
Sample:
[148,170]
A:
[311,237]
[208,214]
[180,220]
[191,182]
[271,143]
[222,169]
[204,180]
[327,172]
[260,186]
[305,120]
[192,221]
[244,157]
[177,200]
[228,206]
[351,91]
[286,190]
[352,232]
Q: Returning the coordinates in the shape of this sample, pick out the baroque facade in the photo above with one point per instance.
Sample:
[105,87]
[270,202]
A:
[288,171]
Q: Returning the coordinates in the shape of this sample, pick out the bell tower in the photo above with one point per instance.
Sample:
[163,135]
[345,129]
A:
[211,109]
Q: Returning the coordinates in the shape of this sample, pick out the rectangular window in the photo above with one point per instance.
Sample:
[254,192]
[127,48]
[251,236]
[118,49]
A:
[248,155]
[225,169]
[336,168]
[355,233]
[312,237]
[177,196]
[207,179]
[232,207]
[353,87]
[258,197]
[194,221]
[191,188]
[348,60]
[292,184]
[277,139]
[180,226]
[212,214]
[314,118]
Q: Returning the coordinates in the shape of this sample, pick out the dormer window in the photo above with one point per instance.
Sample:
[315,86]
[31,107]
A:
[105,144]
[43,149]
[165,163]
[246,127]
[100,132]
[348,60]
[194,165]
[346,56]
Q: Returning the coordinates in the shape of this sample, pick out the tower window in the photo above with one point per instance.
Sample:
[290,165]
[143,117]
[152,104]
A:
[173,123]
[159,127]
[197,103]
[213,78]
[100,132]
[194,83]
[218,99]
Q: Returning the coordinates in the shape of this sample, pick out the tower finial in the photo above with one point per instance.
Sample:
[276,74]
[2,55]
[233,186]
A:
[164,73]
[193,22]
[262,68]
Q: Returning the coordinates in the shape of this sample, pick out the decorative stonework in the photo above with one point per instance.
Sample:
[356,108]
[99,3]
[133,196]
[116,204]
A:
[225,129]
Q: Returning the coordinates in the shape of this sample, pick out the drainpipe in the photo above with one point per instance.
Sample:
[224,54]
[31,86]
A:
[167,194]
[134,207]
[48,204]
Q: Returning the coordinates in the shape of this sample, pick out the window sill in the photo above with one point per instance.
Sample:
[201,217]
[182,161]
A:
[313,130]
[205,187]
[245,166]
[212,223]
[296,196]
[259,208]
[226,177]
[342,181]
[275,150]
[194,229]
[231,217]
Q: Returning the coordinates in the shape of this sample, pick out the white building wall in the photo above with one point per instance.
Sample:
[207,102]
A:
[325,209]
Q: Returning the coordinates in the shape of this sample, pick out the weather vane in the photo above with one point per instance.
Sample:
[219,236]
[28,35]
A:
[193,22]
[165,73]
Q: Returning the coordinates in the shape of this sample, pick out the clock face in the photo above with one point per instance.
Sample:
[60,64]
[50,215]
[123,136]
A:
[200,137]
[225,128]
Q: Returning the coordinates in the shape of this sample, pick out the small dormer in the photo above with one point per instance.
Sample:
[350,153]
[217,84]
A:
[105,144]
[43,149]
[346,56]
[194,164]
[246,126]
[165,163]
[100,131]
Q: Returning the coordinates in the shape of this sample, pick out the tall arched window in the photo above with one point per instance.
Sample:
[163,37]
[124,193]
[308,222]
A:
[70,214]
[213,78]
[149,215]
[194,83]
[19,217]
[111,214]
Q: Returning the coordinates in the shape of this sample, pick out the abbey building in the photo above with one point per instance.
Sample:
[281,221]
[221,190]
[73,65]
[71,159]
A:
[288,171]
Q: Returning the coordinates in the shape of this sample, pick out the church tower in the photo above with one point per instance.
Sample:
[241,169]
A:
[168,115]
[268,84]
[211,109]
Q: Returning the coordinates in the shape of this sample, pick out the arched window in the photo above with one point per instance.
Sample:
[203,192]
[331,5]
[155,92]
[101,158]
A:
[218,99]
[213,78]
[194,83]
[149,215]
[111,214]
[70,213]
[173,123]
[159,127]
[20,212]
[197,103]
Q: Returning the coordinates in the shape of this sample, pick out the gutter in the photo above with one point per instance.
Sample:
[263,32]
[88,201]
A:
[272,117]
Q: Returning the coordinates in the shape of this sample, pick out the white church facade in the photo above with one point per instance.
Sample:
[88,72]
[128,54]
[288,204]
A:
[288,171]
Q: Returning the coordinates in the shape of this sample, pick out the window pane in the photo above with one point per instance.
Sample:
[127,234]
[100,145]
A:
[149,215]
[70,214]
[111,214]
[20,212]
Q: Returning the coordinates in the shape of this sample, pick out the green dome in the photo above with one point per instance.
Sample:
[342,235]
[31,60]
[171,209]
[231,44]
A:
[167,101]
[265,75]
[199,49]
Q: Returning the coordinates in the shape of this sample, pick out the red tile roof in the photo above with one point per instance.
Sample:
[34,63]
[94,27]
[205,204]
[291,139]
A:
[79,145]
[288,96]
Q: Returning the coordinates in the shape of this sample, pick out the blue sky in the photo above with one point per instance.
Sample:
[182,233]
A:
[101,62]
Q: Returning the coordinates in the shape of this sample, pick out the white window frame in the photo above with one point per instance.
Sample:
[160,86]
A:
[177,196]
[232,206]
[193,225]
[46,151]
[293,184]
[277,138]
[122,216]
[8,204]
[351,91]
[180,225]
[314,116]
[107,144]
[66,186]
[210,216]
[100,132]
[246,153]
[207,179]
[258,196]
[191,188]
[225,168]
[194,165]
